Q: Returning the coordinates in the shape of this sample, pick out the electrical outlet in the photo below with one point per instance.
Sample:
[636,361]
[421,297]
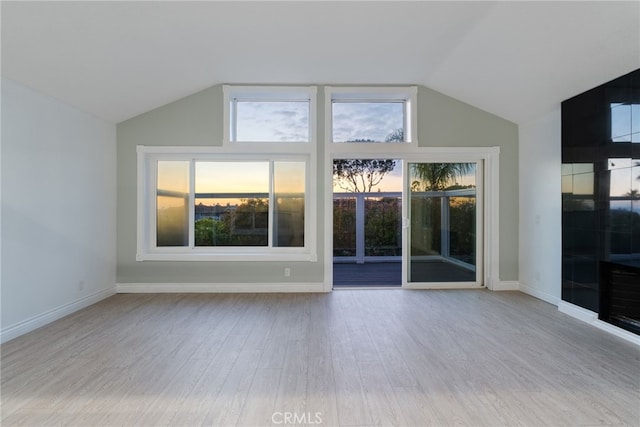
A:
[81,285]
[287,272]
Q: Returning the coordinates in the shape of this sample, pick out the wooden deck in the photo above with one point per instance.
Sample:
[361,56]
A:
[375,274]
[367,274]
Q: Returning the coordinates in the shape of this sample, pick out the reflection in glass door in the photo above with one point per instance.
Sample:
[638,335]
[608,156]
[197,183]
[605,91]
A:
[444,224]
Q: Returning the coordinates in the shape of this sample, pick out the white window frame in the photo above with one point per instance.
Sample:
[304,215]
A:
[234,93]
[147,249]
[408,95]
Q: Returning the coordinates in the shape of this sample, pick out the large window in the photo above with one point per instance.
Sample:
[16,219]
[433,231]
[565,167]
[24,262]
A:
[371,114]
[223,206]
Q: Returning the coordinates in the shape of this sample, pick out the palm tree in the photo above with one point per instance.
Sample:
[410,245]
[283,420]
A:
[439,176]
[633,194]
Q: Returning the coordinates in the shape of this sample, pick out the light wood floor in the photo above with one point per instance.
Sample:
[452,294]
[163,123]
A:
[349,358]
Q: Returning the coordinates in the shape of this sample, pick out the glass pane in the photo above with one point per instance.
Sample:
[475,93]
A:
[635,118]
[624,213]
[583,184]
[442,222]
[567,169]
[366,175]
[172,203]
[232,204]
[620,122]
[425,224]
[272,121]
[620,182]
[344,227]
[462,228]
[368,121]
[382,226]
[289,189]
[567,184]
[635,208]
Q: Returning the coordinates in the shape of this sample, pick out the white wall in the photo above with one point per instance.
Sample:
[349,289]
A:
[540,228]
[58,209]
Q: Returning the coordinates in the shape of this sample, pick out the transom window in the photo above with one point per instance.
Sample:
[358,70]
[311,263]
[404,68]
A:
[366,115]
[270,114]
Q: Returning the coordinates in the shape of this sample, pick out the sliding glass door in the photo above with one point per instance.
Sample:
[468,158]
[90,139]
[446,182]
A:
[443,224]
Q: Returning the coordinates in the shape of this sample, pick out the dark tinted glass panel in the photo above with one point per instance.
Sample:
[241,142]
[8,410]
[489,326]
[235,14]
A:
[600,185]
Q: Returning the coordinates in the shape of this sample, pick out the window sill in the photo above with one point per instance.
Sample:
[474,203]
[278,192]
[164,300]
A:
[246,256]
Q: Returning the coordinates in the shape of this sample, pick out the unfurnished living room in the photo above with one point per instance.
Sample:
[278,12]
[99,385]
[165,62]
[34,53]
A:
[318,213]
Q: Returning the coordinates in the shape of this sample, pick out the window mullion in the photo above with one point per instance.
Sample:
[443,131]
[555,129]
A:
[405,123]
[272,210]
[234,119]
[152,203]
[192,203]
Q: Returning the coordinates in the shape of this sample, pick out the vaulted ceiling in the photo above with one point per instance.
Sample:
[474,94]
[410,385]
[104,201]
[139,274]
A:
[517,60]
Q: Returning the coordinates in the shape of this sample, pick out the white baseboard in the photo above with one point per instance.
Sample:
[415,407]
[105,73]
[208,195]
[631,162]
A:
[544,296]
[123,288]
[37,321]
[591,318]
[506,285]
[577,312]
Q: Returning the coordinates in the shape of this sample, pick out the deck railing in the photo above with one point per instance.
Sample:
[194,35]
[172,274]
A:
[368,226]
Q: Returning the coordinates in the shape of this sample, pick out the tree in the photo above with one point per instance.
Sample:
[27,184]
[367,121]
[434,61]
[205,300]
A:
[357,175]
[212,232]
[633,194]
[395,136]
[438,176]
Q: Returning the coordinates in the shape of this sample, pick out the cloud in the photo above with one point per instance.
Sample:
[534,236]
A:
[289,121]
[366,121]
[273,121]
